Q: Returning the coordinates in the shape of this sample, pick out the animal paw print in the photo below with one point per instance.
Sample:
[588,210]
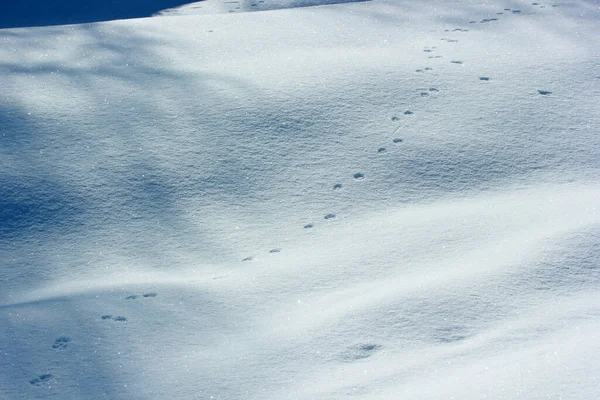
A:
[135,296]
[118,318]
[61,343]
[41,380]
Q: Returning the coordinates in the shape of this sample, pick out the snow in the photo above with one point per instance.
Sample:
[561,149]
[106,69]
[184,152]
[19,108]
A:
[171,224]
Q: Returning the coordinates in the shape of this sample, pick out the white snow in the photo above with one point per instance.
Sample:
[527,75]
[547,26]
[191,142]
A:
[142,160]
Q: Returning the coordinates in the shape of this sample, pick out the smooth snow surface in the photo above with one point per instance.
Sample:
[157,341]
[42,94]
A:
[372,200]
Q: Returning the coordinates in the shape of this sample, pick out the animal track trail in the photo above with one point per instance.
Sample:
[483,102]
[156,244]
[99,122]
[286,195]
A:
[248,259]
[337,186]
[484,78]
[330,216]
[456,62]
[359,176]
[61,343]
[273,251]
[41,380]
[544,92]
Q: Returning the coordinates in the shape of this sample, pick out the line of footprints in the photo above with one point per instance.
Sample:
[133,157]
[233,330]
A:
[361,351]
[63,342]
[424,92]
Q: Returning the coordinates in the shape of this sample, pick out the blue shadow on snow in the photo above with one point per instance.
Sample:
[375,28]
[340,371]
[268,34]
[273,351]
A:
[26,13]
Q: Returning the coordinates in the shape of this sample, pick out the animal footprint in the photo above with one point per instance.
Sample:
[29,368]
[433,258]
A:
[248,259]
[360,352]
[135,296]
[308,226]
[337,186]
[456,62]
[381,150]
[408,112]
[484,78]
[359,175]
[544,92]
[61,342]
[330,216]
[120,319]
[398,140]
[275,251]
[394,118]
[433,90]
[41,380]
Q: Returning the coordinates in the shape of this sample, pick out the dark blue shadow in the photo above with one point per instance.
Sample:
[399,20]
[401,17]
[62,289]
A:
[24,13]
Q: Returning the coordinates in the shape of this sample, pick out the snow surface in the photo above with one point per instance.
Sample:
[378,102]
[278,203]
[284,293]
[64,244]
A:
[169,227]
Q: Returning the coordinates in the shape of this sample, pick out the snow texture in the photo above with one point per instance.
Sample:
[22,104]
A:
[370,200]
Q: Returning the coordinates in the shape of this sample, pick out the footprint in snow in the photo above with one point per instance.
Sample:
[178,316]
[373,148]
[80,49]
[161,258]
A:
[330,216]
[436,56]
[41,380]
[433,90]
[516,11]
[394,118]
[118,318]
[408,112]
[135,296]
[381,150]
[544,92]
[398,140]
[360,352]
[61,342]
[484,78]
[248,259]
[275,251]
[337,186]
[308,226]
[359,175]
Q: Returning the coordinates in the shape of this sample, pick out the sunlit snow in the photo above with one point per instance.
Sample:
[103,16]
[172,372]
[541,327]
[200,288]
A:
[371,200]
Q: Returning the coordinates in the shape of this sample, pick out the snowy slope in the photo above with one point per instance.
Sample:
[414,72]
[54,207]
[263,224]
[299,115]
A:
[374,200]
